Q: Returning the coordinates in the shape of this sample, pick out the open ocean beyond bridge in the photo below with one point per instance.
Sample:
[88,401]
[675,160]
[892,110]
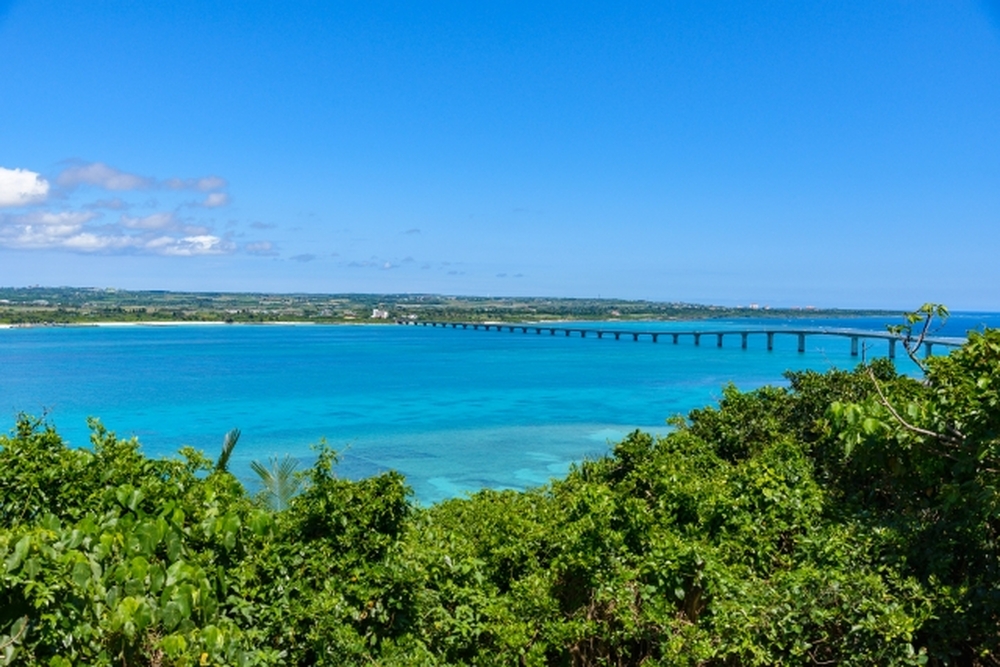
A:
[452,409]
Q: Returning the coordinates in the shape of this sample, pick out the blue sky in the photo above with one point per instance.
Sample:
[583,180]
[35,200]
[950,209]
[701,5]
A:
[785,153]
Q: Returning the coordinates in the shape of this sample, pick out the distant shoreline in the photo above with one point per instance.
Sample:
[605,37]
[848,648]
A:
[109,324]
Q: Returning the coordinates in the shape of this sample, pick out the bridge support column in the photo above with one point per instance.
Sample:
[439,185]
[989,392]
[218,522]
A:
[770,341]
[892,348]
[655,336]
[697,339]
[583,333]
[567,333]
[802,342]
[635,336]
[719,341]
[854,346]
[538,330]
[617,336]
[743,339]
[552,332]
[928,349]
[675,336]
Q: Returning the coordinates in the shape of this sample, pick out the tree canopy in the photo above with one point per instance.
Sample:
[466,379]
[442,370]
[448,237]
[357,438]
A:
[850,517]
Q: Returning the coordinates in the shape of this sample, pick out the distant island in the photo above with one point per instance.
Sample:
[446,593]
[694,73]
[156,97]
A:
[70,305]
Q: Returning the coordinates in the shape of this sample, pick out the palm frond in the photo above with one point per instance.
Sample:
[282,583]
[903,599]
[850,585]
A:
[228,445]
[279,480]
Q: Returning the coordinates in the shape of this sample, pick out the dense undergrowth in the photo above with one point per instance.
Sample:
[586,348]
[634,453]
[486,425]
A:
[851,518]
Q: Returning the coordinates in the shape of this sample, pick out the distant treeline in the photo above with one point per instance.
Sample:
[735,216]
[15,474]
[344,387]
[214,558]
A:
[64,305]
[850,519]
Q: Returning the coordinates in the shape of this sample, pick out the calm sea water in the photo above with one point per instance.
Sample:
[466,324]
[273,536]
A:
[453,410]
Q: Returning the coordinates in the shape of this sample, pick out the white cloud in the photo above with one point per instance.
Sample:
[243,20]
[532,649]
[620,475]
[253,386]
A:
[47,230]
[80,227]
[101,175]
[215,199]
[69,230]
[19,187]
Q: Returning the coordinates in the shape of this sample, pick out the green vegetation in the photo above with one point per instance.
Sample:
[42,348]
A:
[851,518]
[65,305]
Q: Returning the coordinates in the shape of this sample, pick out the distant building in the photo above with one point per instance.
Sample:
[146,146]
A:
[754,306]
[379,314]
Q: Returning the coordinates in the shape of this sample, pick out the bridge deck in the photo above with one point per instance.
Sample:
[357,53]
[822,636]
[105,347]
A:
[855,335]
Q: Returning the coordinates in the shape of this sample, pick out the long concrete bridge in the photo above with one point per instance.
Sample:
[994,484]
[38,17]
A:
[855,335]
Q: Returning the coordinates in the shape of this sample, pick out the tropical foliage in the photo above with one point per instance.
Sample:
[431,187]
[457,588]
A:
[851,517]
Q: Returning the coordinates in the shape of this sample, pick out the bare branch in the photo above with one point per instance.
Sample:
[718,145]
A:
[905,424]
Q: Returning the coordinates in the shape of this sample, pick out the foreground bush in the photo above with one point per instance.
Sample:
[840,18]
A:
[850,518]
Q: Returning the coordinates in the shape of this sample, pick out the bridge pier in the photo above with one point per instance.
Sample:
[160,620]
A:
[635,337]
[854,346]
[743,339]
[770,341]
[538,330]
[892,348]
[676,336]
[618,335]
[719,341]
[697,339]
[928,349]
[655,336]
[567,333]
[552,332]
[583,333]
[802,342]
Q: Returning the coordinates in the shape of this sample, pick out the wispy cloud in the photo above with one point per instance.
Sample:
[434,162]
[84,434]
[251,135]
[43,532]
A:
[204,184]
[215,199]
[102,176]
[379,263]
[155,221]
[411,231]
[305,257]
[20,187]
[261,249]
[116,204]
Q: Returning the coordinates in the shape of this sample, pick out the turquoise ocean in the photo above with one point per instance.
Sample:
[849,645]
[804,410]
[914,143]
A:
[453,410]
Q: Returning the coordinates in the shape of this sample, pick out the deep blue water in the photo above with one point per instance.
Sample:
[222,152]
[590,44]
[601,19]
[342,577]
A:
[453,410]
